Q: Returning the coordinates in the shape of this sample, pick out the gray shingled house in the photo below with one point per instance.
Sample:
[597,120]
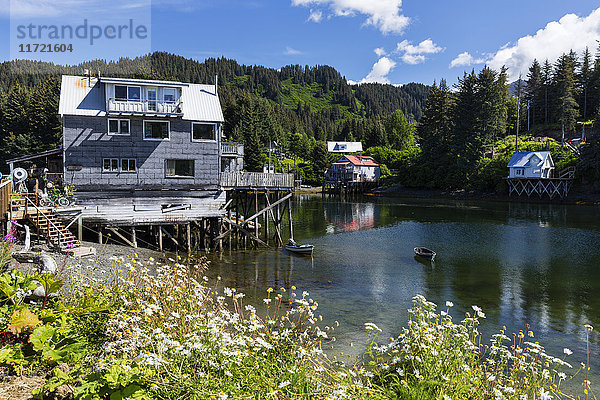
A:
[134,148]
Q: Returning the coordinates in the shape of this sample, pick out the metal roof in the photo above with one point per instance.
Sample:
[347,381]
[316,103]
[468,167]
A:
[365,161]
[344,147]
[143,82]
[43,154]
[522,159]
[84,96]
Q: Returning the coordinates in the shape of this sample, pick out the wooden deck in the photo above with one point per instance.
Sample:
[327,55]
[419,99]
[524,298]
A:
[256,180]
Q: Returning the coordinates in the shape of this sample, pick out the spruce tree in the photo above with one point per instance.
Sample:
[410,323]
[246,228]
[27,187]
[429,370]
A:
[533,91]
[584,82]
[564,83]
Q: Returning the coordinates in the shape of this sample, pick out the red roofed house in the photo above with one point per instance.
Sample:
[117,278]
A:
[354,169]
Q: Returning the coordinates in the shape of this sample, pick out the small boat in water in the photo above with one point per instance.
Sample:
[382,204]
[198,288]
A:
[304,249]
[425,253]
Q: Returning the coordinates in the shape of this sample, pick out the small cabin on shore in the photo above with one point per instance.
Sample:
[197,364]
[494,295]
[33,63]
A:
[531,164]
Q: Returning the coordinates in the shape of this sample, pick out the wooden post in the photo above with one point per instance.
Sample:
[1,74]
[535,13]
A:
[290,218]
[279,220]
[189,237]
[134,237]
[80,228]
[203,234]
[256,212]
[229,238]
[160,235]
[100,234]
[237,220]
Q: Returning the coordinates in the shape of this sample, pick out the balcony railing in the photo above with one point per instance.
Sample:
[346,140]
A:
[144,106]
[232,149]
[256,180]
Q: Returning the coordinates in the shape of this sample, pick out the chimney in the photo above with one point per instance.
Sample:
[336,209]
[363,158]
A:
[216,85]
[86,72]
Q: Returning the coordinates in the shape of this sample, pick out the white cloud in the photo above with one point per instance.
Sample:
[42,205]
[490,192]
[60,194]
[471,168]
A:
[315,16]
[380,51]
[290,51]
[465,59]
[412,54]
[379,72]
[413,59]
[385,15]
[556,38]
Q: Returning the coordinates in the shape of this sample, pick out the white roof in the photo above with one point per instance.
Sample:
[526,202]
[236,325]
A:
[524,159]
[344,147]
[83,98]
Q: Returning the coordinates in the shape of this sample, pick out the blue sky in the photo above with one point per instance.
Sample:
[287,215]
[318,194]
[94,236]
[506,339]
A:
[395,41]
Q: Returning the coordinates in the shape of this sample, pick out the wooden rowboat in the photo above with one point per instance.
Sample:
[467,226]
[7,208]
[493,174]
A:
[425,253]
[304,249]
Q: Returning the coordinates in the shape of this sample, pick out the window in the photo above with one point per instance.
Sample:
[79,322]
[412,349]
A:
[134,93]
[519,171]
[169,94]
[152,99]
[118,127]
[124,93]
[121,92]
[128,165]
[110,165]
[156,130]
[180,168]
[203,131]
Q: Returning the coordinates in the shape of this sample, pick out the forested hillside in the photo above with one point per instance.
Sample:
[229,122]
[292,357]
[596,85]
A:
[297,106]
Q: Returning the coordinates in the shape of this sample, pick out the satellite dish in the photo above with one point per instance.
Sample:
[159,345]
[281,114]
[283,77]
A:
[19,175]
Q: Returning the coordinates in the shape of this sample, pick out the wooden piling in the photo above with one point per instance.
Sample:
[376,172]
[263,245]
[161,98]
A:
[290,218]
[160,238]
[189,237]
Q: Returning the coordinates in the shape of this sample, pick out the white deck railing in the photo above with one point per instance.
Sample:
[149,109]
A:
[232,149]
[144,106]
[256,180]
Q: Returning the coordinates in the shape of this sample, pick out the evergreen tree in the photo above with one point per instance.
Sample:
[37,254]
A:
[534,92]
[320,158]
[436,132]
[399,132]
[546,89]
[564,82]
[584,83]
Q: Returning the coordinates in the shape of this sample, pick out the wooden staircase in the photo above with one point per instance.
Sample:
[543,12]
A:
[25,206]
[54,230]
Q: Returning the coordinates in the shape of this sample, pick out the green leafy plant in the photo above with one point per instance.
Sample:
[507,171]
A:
[50,286]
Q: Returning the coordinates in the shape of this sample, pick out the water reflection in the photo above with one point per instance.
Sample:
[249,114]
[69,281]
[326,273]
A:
[523,264]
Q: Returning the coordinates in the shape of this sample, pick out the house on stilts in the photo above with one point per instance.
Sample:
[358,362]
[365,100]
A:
[532,173]
[352,174]
[143,157]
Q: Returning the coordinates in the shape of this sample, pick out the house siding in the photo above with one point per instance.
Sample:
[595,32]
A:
[86,143]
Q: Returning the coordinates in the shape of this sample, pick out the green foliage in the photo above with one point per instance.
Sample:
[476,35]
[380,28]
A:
[436,358]
[21,320]
[13,286]
[400,132]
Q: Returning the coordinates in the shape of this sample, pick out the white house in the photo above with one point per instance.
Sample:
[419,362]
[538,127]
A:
[532,164]
[354,169]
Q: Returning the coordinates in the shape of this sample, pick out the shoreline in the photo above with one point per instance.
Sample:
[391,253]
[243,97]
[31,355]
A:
[397,190]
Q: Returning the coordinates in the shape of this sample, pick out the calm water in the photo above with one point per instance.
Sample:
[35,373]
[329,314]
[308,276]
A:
[522,263]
